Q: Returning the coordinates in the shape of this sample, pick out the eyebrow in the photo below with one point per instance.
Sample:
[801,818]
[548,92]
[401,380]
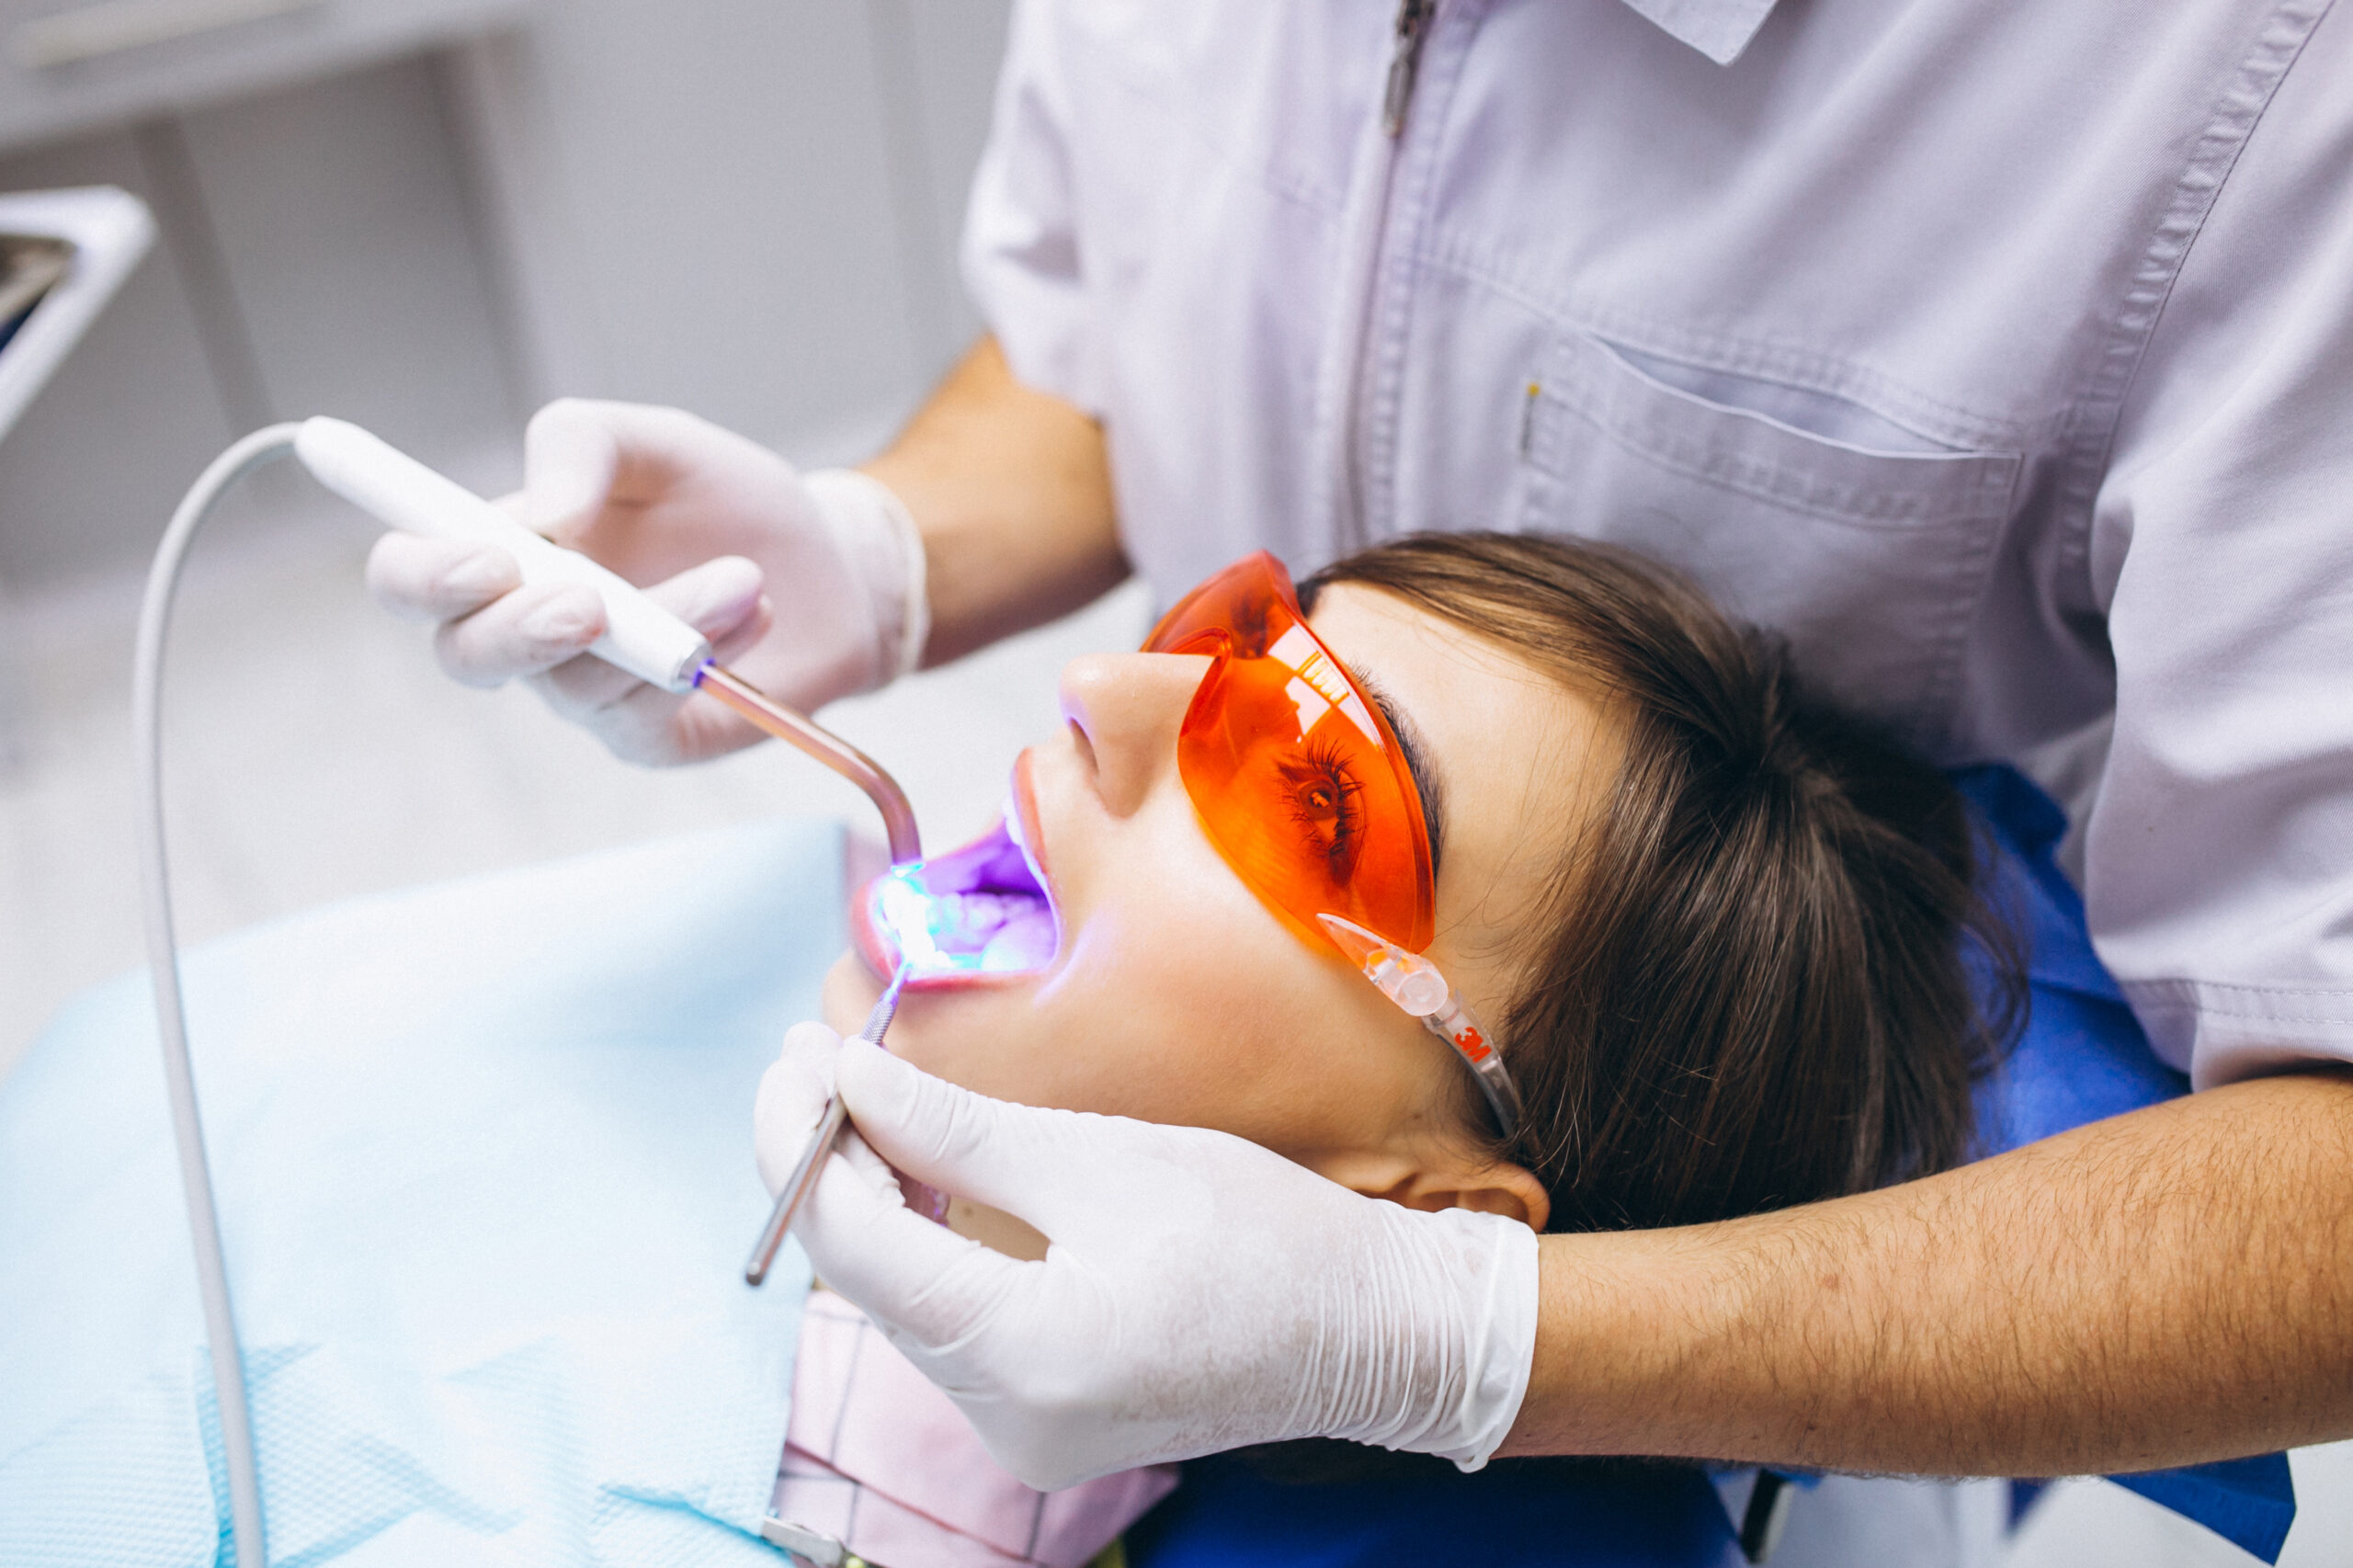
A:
[1427,783]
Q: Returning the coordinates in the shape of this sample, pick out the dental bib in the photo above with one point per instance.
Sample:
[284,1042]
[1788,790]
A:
[483,1155]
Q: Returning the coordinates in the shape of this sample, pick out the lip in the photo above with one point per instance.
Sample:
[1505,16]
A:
[1033,833]
[984,913]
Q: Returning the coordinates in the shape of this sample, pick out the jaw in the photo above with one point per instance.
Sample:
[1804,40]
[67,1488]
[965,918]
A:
[978,916]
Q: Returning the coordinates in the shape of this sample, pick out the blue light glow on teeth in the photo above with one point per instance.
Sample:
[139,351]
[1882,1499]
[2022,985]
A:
[978,910]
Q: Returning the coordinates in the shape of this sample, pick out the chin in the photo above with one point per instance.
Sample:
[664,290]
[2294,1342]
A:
[848,993]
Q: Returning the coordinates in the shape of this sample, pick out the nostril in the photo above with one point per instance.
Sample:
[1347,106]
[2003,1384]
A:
[1086,748]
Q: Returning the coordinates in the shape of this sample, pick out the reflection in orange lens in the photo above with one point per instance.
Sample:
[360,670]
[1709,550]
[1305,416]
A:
[1294,773]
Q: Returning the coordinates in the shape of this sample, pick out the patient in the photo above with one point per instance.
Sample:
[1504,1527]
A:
[1715,933]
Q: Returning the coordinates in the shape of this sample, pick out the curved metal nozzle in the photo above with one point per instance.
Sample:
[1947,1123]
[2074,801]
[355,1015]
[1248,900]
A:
[799,730]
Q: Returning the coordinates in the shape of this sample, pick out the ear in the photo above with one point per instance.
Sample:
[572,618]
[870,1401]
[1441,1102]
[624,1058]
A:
[1445,1180]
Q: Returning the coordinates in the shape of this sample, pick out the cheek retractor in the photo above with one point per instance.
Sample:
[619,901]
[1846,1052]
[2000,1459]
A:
[639,635]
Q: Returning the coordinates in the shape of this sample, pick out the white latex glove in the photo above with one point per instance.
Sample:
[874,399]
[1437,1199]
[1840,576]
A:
[809,585]
[1199,1294]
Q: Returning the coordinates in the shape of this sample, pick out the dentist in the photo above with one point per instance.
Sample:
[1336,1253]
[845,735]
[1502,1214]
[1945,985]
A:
[2000,357]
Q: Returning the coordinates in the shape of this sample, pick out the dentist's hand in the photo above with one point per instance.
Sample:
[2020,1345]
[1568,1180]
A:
[809,585]
[1201,1293]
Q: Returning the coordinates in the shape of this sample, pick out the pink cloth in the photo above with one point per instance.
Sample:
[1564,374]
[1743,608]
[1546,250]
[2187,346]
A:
[883,1460]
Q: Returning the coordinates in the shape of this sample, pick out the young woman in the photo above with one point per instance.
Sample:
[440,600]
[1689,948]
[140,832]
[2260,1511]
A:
[1489,872]
[1714,934]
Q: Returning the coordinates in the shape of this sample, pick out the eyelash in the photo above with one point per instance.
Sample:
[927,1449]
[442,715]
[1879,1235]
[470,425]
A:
[1321,769]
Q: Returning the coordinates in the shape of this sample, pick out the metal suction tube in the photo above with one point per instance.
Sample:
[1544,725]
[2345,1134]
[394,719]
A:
[799,730]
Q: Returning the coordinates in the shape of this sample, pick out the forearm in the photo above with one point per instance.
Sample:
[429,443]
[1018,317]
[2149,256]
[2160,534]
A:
[1012,493]
[2170,1286]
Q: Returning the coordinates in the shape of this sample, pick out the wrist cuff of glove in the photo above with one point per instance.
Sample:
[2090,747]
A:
[1500,1355]
[874,531]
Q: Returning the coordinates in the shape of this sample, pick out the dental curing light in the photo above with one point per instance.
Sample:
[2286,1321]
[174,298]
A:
[640,637]
[968,917]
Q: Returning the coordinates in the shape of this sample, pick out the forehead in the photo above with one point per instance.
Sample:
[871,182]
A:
[1524,762]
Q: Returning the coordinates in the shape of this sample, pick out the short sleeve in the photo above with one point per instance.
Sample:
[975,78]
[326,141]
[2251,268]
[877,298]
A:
[1022,258]
[2219,848]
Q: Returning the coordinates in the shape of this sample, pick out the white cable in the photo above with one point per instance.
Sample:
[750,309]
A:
[163,963]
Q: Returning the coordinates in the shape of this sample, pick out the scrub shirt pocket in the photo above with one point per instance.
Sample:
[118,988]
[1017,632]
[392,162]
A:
[1863,543]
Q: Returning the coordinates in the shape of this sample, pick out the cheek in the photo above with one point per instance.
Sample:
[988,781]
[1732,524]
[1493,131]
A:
[1172,974]
[1152,1010]
[1169,1013]
[1176,997]
[850,994]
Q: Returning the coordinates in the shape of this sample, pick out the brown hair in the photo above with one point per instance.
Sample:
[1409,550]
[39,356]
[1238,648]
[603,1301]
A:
[1751,988]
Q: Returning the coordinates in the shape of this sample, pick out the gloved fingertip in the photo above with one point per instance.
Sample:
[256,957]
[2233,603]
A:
[725,591]
[880,1089]
[789,1077]
[730,641]
[810,1047]
[392,580]
[809,1036]
[716,597]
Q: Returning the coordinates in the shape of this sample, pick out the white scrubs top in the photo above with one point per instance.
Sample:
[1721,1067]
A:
[2000,356]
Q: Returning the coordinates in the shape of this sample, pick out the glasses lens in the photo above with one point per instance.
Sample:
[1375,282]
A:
[1293,772]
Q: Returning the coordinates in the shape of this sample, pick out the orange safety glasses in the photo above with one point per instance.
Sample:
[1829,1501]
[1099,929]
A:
[1301,785]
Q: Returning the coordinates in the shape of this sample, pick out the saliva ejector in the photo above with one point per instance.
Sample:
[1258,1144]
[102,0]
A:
[640,637]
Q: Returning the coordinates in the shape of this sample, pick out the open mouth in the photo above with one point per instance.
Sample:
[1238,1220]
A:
[974,915]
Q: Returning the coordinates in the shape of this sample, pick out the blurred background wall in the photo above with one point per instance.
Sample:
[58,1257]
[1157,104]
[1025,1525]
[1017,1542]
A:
[429,216]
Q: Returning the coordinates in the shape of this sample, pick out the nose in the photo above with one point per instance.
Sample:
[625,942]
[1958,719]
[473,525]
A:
[1127,710]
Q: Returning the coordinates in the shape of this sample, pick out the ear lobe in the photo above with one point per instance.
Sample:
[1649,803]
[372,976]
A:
[1502,1188]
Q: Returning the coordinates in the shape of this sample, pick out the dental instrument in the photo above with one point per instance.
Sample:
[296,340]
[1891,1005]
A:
[803,1177]
[641,638]
[639,635]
